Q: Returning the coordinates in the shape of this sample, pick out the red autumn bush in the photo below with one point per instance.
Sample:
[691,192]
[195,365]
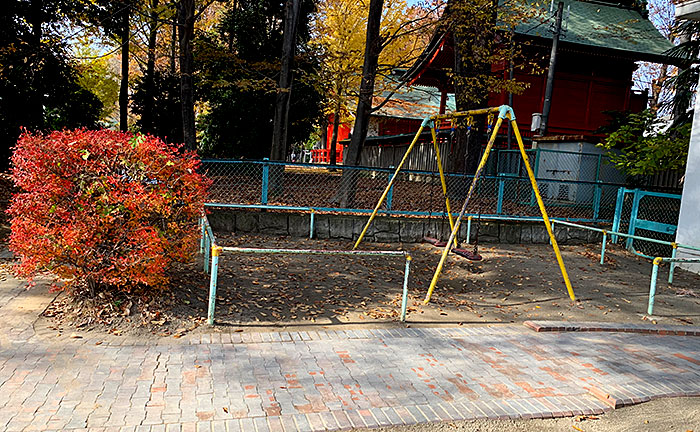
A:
[103,209]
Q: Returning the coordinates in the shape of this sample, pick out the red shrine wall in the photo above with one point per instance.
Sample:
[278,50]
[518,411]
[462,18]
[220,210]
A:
[585,86]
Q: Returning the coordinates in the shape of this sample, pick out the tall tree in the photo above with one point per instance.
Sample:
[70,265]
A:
[279,126]
[125,41]
[149,76]
[239,67]
[113,18]
[39,87]
[186,19]
[474,25]
[339,34]
[373,47]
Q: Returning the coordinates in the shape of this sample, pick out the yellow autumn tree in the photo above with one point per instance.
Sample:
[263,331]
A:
[339,33]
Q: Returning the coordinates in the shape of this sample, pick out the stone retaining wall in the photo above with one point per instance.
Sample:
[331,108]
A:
[386,229]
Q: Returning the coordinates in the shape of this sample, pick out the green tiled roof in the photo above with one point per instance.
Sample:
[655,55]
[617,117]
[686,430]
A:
[599,25]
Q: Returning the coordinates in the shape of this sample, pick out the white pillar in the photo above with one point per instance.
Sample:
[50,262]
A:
[689,218]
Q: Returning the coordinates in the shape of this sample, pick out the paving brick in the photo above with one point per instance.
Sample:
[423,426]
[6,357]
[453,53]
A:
[310,380]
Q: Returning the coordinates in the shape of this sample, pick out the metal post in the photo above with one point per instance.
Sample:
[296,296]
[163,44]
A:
[426,122]
[311,225]
[602,251]
[543,210]
[598,191]
[443,182]
[469,229]
[533,199]
[390,195]
[404,297]
[672,267]
[501,188]
[204,233]
[550,239]
[633,218]
[652,288]
[215,252]
[504,111]
[550,72]
[207,248]
[618,212]
[597,194]
[265,180]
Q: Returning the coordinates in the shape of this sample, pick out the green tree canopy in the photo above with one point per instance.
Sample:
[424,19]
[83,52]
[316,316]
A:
[39,83]
[238,72]
[641,145]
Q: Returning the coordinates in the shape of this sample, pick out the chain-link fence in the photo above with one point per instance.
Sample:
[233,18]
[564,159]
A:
[503,191]
[647,214]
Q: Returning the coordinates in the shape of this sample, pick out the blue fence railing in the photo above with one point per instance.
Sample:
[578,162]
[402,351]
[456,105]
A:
[244,183]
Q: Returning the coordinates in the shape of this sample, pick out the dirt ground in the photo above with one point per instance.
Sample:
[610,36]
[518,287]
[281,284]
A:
[513,283]
[667,415]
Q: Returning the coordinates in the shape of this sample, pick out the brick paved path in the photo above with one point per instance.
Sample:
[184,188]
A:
[330,380]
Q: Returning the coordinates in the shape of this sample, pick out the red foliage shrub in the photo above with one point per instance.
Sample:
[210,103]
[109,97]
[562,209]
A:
[104,209]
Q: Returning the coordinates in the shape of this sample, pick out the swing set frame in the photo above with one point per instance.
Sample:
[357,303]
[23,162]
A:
[506,113]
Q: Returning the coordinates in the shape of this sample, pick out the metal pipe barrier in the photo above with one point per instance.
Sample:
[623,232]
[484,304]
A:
[655,273]
[208,244]
[605,232]
[211,251]
[656,262]
[406,255]
[313,211]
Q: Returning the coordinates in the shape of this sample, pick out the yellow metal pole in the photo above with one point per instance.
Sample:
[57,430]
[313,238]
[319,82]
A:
[467,113]
[547,224]
[391,182]
[442,180]
[464,209]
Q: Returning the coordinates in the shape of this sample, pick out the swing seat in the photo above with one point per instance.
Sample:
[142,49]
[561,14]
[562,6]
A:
[469,255]
[435,242]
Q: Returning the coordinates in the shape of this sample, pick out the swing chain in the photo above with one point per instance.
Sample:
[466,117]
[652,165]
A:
[476,236]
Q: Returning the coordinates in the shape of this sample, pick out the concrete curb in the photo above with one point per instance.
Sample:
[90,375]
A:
[563,326]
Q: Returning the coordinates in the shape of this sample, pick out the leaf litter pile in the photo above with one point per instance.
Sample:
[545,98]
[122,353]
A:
[513,283]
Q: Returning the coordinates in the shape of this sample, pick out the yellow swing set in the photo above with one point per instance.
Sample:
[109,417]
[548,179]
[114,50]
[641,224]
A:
[504,112]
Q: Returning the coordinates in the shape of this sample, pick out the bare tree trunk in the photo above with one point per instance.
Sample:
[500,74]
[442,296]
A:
[186,26]
[149,78]
[279,128]
[373,47]
[334,136]
[173,46]
[36,97]
[124,85]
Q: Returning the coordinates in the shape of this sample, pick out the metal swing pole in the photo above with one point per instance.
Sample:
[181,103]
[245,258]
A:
[442,180]
[540,203]
[426,122]
[503,111]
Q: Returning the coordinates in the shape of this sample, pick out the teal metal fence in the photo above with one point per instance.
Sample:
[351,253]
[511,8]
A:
[648,214]
[267,184]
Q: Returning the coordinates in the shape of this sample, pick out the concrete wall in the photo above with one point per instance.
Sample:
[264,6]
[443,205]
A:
[386,229]
[688,222]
